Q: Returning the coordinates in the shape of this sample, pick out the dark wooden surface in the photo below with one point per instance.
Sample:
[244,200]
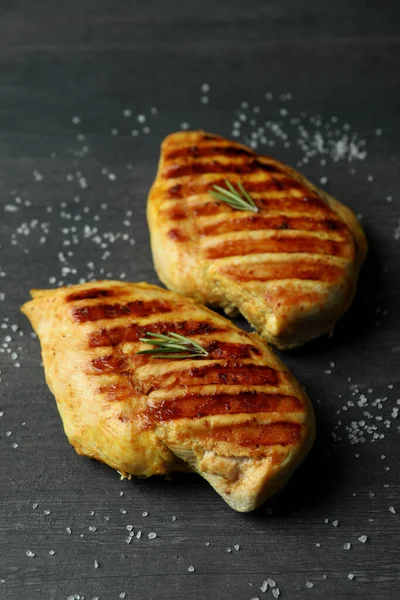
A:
[93,59]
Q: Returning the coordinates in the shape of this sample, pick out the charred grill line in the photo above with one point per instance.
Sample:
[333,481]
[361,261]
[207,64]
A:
[137,308]
[132,332]
[266,223]
[297,245]
[284,270]
[182,170]
[196,151]
[198,406]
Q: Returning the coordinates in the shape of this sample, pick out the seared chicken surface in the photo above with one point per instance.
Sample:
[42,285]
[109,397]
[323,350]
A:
[236,416]
[291,268]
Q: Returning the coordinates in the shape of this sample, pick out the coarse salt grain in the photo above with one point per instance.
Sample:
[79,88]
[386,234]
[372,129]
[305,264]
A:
[363,539]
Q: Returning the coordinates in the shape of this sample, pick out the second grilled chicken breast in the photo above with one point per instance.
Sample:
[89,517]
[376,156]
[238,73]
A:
[234,414]
[290,268]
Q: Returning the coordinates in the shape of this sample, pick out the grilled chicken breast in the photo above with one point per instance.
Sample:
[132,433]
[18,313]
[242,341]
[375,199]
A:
[236,416]
[290,269]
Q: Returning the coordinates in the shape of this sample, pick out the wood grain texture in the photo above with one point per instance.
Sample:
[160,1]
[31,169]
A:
[94,59]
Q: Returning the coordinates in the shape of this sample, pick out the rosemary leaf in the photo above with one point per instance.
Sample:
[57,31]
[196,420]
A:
[240,200]
[171,345]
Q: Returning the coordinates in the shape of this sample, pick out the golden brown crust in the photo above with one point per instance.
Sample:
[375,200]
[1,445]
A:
[291,269]
[236,416]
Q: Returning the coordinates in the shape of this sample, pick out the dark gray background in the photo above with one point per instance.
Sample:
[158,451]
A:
[94,59]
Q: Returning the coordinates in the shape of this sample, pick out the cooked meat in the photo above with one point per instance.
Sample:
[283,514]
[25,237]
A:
[291,268]
[235,415]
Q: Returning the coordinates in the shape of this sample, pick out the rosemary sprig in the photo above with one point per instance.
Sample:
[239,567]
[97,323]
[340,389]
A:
[172,345]
[240,200]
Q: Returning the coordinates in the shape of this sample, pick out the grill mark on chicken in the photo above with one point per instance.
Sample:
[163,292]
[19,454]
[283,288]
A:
[175,214]
[273,245]
[229,373]
[91,294]
[131,333]
[111,364]
[196,151]
[117,392]
[198,406]
[277,183]
[301,205]
[137,308]
[213,166]
[217,349]
[254,434]
[284,270]
[177,235]
[260,222]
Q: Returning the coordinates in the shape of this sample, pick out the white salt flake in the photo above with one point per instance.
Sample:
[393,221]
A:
[96,564]
[191,569]
[30,553]
[351,576]
[363,539]
[152,535]
[309,584]
[392,510]
[347,546]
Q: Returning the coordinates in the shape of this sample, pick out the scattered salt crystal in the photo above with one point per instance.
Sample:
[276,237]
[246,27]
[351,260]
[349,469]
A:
[264,586]
[309,584]
[152,535]
[96,564]
[363,539]
[392,510]
[51,552]
[276,592]
[347,546]
[30,553]
[351,576]
[237,547]
[191,569]
[122,595]
[76,120]
[145,513]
